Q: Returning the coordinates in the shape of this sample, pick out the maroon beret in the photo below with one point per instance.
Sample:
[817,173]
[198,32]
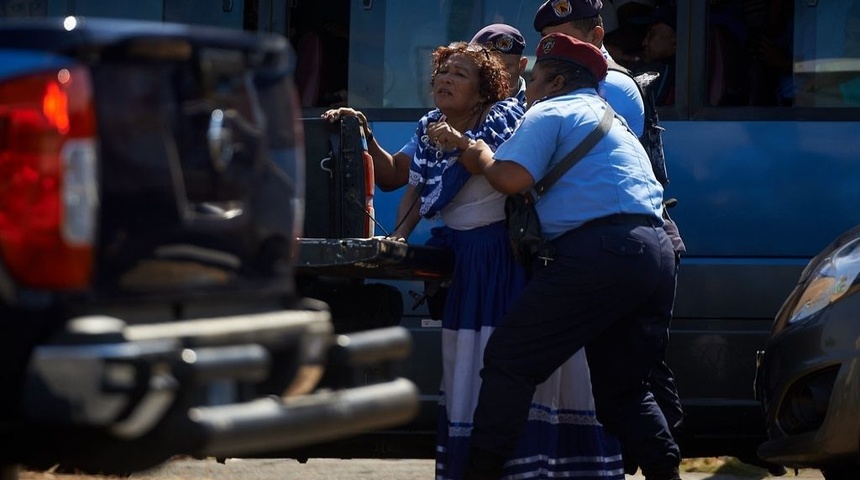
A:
[556,12]
[564,47]
[500,38]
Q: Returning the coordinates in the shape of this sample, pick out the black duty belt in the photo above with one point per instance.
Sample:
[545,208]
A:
[641,220]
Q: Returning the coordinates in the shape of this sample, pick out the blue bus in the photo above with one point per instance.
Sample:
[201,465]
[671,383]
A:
[758,134]
[759,143]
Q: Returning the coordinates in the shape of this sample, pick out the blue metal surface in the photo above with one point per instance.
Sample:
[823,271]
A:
[757,200]
[762,189]
[767,189]
[18,62]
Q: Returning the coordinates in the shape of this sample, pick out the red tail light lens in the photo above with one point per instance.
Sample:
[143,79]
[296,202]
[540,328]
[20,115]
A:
[369,185]
[48,189]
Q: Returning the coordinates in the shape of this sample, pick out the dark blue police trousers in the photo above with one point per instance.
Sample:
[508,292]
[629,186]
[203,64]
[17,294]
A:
[609,289]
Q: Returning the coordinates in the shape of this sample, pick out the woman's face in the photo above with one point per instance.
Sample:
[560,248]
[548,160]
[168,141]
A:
[539,84]
[456,87]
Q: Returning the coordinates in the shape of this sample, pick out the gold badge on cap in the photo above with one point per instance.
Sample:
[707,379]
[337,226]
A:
[561,8]
[548,44]
[505,44]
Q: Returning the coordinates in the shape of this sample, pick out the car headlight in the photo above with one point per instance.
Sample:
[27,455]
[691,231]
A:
[827,280]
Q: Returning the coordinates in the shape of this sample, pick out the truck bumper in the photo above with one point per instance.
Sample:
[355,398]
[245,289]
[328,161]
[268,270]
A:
[108,397]
[272,424]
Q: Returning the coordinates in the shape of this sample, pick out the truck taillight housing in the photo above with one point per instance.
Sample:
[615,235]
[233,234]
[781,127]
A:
[48,181]
[369,186]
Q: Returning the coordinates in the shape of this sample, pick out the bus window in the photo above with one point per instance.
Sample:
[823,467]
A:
[320,39]
[229,14]
[783,53]
[142,10]
[730,67]
[761,67]
[23,8]
[391,43]
[827,54]
[622,36]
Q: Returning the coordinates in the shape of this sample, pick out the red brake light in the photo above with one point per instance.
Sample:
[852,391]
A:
[369,186]
[55,106]
[47,178]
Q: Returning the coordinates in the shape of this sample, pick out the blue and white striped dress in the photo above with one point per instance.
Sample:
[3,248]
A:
[562,438]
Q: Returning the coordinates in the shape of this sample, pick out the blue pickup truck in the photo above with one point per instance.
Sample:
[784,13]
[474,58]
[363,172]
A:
[151,191]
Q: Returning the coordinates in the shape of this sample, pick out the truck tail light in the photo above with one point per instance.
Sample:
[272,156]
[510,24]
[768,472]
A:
[369,185]
[48,181]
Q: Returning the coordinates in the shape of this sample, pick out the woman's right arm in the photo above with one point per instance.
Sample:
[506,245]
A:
[390,172]
[408,214]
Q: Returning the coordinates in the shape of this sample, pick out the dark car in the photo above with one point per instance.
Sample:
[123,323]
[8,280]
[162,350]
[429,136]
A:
[151,193]
[808,377]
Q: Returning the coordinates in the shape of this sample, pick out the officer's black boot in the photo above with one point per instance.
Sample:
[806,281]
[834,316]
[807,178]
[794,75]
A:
[483,465]
[661,473]
[630,466]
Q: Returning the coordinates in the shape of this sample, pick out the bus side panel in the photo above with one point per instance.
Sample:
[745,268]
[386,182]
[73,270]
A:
[762,189]
[756,201]
[745,189]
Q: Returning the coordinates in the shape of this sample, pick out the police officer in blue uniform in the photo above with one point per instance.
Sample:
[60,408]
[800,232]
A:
[581,20]
[610,284]
[509,43]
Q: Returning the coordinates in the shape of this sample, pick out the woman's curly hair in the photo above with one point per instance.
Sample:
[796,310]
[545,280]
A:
[494,79]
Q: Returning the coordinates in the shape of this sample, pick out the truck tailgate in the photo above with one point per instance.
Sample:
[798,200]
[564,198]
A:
[372,258]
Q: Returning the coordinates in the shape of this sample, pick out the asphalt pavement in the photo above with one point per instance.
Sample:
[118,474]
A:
[357,469]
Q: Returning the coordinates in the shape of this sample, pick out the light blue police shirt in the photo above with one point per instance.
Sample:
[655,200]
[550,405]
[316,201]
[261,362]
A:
[622,93]
[614,177]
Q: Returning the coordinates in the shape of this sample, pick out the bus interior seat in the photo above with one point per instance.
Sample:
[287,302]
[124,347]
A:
[309,62]
[727,81]
[716,68]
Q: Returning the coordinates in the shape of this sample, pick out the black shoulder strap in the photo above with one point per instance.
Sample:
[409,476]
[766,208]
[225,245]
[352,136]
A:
[613,65]
[641,79]
[573,157]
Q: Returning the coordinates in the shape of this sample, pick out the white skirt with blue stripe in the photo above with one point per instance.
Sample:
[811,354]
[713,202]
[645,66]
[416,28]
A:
[562,438]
